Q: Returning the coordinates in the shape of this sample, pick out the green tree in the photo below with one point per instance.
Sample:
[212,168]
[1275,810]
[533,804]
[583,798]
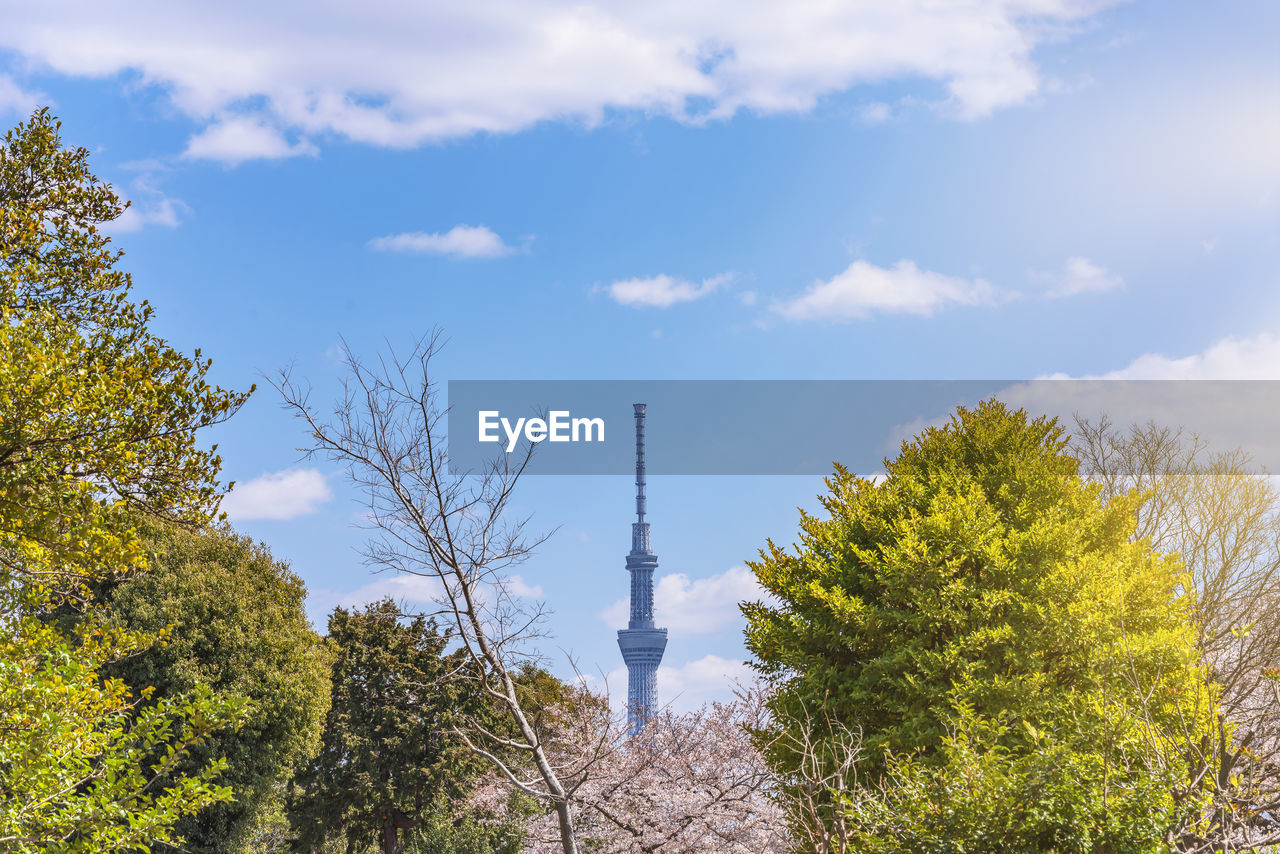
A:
[445,832]
[98,422]
[234,620]
[388,751]
[1015,667]
[98,417]
[79,764]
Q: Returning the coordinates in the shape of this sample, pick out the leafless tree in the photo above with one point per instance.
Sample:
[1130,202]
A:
[1221,514]
[456,529]
[825,756]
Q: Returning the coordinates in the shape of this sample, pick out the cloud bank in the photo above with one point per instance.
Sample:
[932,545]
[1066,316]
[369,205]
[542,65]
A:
[1256,358]
[400,74]
[683,687]
[15,99]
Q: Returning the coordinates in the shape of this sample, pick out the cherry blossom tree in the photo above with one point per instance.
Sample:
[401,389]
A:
[689,782]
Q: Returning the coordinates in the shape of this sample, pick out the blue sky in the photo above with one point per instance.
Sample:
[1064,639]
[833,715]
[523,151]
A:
[660,191]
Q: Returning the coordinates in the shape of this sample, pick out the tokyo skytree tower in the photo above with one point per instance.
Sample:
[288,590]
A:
[642,644]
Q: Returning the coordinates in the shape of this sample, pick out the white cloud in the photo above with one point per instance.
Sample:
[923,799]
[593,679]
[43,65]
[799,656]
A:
[149,205]
[235,139]
[401,74]
[1195,393]
[864,289]
[662,291]
[875,113]
[1080,276]
[517,586]
[696,682]
[402,588]
[1256,358]
[461,241]
[162,210]
[425,590]
[279,495]
[682,688]
[694,606]
[15,99]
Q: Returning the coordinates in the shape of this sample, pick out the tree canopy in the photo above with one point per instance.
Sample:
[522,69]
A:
[233,620]
[388,752]
[1013,663]
[98,416]
[98,424]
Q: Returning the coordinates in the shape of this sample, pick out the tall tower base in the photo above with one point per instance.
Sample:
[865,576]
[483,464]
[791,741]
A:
[642,651]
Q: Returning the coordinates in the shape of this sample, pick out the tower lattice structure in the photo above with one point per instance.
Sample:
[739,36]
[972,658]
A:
[642,643]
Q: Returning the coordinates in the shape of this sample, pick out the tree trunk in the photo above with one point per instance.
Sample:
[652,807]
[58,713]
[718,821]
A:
[568,838]
[390,838]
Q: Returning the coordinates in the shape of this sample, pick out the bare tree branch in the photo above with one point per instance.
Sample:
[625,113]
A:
[454,528]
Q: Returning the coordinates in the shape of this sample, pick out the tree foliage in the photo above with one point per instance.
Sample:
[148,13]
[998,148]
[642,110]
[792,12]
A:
[98,417]
[97,426]
[79,757]
[1221,514]
[234,621]
[388,752]
[1015,666]
[446,829]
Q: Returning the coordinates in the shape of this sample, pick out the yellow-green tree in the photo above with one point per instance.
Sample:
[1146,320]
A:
[1013,670]
[98,421]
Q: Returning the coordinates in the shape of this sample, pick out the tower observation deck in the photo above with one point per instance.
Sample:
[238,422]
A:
[642,644]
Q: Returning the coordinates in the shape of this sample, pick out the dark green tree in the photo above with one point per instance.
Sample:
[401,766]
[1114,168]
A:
[234,620]
[1015,667]
[388,753]
[445,831]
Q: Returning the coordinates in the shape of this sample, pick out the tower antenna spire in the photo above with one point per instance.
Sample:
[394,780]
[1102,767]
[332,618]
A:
[639,410]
